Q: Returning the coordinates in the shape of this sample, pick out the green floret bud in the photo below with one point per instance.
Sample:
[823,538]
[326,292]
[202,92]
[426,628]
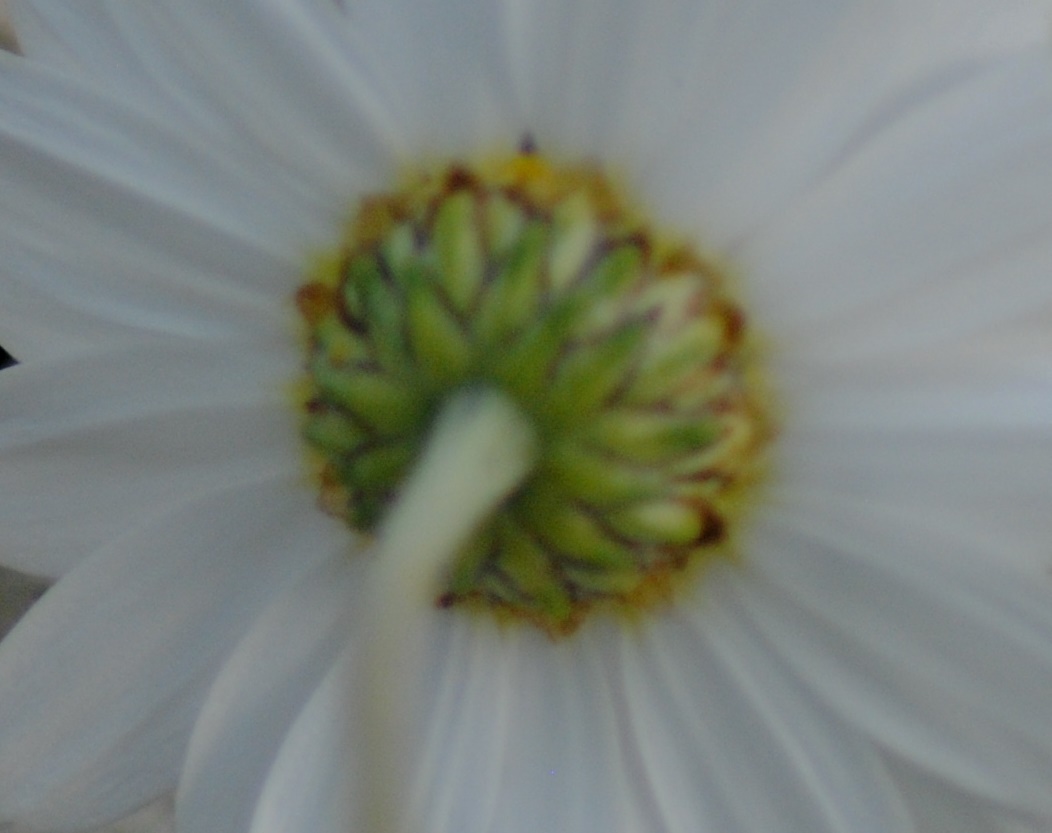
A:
[624,351]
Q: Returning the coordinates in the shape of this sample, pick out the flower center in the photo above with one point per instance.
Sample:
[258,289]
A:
[622,348]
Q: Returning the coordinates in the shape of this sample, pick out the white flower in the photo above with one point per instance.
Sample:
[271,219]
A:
[880,655]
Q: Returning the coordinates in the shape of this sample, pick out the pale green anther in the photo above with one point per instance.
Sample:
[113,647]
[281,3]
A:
[611,277]
[734,435]
[699,489]
[458,247]
[659,522]
[503,221]
[529,567]
[588,376]
[569,530]
[551,601]
[670,363]
[649,437]
[600,479]
[498,587]
[524,366]
[399,248]
[616,270]
[378,467]
[604,582]
[340,346]
[471,562]
[707,387]
[384,311]
[439,343]
[616,345]
[704,460]
[575,233]
[363,271]
[674,298]
[386,405]
[696,348]
[333,433]
[514,294]
[524,560]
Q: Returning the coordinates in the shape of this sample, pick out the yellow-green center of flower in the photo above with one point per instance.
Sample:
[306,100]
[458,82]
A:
[621,347]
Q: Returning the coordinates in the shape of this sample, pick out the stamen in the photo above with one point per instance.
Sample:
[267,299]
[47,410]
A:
[480,450]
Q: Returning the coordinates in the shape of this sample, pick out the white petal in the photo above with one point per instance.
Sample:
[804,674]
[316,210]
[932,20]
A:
[282,76]
[565,766]
[103,677]
[112,215]
[938,653]
[156,817]
[738,106]
[686,82]
[260,691]
[93,445]
[957,31]
[989,484]
[85,41]
[272,77]
[570,63]
[936,227]
[936,806]
[467,722]
[311,785]
[730,742]
[959,392]
[443,65]
[520,735]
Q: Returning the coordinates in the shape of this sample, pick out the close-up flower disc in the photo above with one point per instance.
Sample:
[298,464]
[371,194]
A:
[513,416]
[624,350]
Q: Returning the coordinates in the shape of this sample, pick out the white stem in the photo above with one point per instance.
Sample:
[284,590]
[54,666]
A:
[481,448]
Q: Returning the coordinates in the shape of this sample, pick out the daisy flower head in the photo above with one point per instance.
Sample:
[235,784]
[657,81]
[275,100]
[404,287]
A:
[523,415]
